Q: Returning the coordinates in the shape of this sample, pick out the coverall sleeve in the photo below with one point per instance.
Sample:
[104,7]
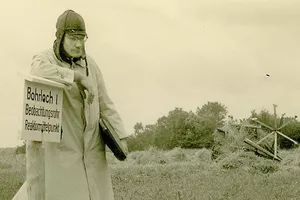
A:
[44,66]
[107,107]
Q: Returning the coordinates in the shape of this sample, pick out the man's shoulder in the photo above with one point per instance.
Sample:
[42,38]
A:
[92,63]
[49,52]
[47,55]
[90,60]
[46,52]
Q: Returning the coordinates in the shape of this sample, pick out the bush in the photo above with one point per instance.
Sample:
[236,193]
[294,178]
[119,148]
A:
[202,155]
[151,156]
[177,155]
[228,140]
[266,166]
[21,149]
[287,144]
[249,162]
[232,161]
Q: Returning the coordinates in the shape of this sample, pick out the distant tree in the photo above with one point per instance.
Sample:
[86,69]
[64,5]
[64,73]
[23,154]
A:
[264,116]
[170,129]
[138,128]
[198,132]
[142,137]
[180,129]
[214,111]
[183,129]
[134,144]
[21,149]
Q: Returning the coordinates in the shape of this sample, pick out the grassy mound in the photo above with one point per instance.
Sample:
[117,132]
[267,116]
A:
[156,156]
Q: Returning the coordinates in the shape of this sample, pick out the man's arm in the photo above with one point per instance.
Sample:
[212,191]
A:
[43,67]
[107,107]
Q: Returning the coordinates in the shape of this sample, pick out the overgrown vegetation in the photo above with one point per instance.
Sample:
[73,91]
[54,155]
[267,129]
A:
[195,129]
[12,173]
[188,155]
[184,174]
[180,129]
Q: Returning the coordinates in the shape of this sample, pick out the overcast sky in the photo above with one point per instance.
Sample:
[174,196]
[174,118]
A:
[160,54]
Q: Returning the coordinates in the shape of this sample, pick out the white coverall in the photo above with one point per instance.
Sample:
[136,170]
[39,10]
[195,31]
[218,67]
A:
[76,168]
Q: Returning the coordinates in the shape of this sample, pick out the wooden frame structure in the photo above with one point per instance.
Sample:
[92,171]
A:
[275,131]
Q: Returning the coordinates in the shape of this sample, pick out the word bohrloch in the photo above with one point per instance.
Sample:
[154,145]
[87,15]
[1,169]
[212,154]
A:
[36,95]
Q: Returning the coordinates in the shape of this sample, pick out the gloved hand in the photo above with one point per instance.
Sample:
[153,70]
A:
[83,84]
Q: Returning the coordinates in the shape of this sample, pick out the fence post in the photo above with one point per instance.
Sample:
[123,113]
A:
[35,169]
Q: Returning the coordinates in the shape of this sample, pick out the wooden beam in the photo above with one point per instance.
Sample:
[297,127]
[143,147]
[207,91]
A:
[253,144]
[295,142]
[265,137]
[35,168]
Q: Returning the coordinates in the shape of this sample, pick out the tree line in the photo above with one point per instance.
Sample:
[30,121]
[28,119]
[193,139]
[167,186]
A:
[195,129]
[188,129]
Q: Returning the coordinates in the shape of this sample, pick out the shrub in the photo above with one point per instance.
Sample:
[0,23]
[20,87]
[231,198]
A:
[232,161]
[21,149]
[228,139]
[266,166]
[202,155]
[152,156]
[177,155]
[287,144]
[249,162]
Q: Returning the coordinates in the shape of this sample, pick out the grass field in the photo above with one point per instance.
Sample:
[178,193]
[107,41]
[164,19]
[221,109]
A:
[184,174]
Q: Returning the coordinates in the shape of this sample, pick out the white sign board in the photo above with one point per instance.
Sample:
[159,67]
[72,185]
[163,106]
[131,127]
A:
[42,110]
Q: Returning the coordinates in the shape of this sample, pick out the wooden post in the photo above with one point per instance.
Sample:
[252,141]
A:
[275,116]
[39,95]
[275,132]
[35,169]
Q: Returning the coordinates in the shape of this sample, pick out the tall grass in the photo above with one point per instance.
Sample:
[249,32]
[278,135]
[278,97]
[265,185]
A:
[182,174]
[12,173]
[241,175]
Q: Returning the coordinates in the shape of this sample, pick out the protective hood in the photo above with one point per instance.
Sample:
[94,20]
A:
[72,23]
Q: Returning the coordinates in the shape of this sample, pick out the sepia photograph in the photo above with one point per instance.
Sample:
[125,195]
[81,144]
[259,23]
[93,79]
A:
[150,100]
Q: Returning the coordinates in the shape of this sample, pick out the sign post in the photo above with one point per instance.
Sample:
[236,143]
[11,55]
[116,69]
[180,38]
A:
[42,110]
[41,122]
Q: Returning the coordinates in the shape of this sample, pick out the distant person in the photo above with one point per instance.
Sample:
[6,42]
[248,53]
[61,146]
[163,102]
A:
[76,168]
